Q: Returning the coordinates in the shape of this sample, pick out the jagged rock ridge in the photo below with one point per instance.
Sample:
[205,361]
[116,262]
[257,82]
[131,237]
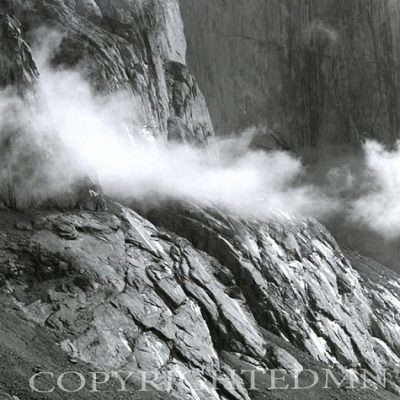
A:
[122,294]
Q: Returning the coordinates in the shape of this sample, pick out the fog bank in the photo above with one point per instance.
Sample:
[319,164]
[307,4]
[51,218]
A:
[105,137]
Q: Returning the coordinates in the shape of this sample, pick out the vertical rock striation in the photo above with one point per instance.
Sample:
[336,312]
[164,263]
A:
[314,71]
[199,293]
[135,47]
[16,63]
[129,45]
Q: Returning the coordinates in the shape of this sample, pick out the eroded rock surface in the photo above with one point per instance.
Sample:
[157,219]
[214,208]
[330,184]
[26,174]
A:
[195,294]
[17,66]
[128,46]
[298,285]
[123,295]
[195,302]
[135,48]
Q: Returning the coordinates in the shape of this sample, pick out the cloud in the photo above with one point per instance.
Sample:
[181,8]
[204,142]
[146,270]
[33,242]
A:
[70,132]
[104,133]
[378,208]
[102,136]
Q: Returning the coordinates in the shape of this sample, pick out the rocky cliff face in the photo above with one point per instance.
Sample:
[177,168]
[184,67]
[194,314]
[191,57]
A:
[199,302]
[195,294]
[135,46]
[17,65]
[26,147]
[138,48]
[315,72]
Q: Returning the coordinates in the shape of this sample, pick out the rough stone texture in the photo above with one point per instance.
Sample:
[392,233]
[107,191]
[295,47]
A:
[298,284]
[315,72]
[16,63]
[280,359]
[121,294]
[26,348]
[27,146]
[200,292]
[190,120]
[137,47]
[128,45]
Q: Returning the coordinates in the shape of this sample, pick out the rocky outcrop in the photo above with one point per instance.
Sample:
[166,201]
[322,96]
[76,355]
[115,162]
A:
[190,120]
[123,295]
[314,72]
[119,293]
[35,167]
[194,294]
[133,47]
[298,285]
[27,349]
[22,155]
[16,66]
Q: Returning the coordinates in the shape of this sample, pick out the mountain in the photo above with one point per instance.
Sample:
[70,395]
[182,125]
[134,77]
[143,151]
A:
[194,293]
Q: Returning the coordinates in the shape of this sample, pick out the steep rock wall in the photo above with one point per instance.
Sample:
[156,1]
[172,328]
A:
[27,148]
[214,293]
[313,71]
[137,47]
[129,45]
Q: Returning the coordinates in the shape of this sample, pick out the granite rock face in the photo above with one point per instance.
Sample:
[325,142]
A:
[192,293]
[130,46]
[17,65]
[137,48]
[123,295]
[299,286]
[26,150]
[197,306]
[314,72]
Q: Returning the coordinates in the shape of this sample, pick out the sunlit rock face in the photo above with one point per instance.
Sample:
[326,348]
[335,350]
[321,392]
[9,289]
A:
[128,46]
[299,285]
[314,72]
[194,293]
[198,303]
[137,48]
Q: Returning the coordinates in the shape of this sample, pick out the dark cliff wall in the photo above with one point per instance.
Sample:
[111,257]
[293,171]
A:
[313,71]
